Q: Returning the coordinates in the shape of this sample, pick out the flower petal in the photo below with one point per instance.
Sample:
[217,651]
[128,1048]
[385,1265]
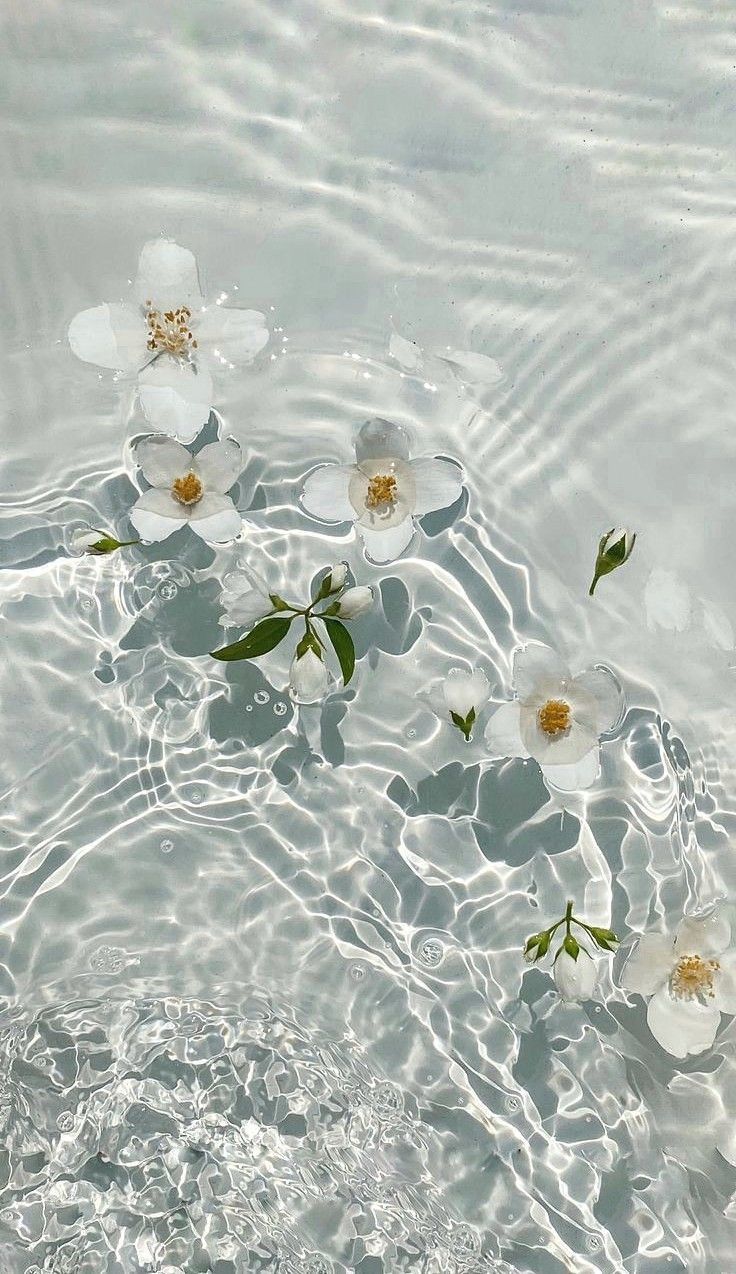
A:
[650,963]
[707,935]
[385,546]
[161,460]
[176,397]
[465,690]
[110,336]
[167,276]
[724,983]
[682,1026]
[234,335]
[215,518]
[563,749]
[535,666]
[600,685]
[219,465]
[576,777]
[503,736]
[325,493]
[156,515]
[378,438]
[438,484]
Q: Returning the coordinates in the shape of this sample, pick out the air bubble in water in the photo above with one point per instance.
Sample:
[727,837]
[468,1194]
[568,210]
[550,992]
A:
[512,1104]
[108,960]
[431,952]
[261,696]
[65,1121]
[280,709]
[167,846]
[167,590]
[593,1243]
[196,796]
[357,972]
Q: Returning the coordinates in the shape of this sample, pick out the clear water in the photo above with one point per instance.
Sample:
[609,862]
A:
[262,1001]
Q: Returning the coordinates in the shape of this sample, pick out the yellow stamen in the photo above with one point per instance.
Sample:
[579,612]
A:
[554,717]
[169,333]
[692,978]
[382,490]
[187,490]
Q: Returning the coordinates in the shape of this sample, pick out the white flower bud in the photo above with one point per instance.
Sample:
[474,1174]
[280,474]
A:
[575,979]
[83,540]
[338,575]
[465,690]
[308,678]
[355,601]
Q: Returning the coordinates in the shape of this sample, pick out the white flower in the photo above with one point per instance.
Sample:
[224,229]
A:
[691,977]
[187,488]
[465,691]
[355,601]
[383,491]
[245,597]
[169,338]
[338,575]
[308,678]
[556,718]
[575,979]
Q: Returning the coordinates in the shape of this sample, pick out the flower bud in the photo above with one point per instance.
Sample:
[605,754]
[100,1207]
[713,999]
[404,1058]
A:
[614,549]
[355,601]
[96,543]
[575,976]
[337,576]
[308,677]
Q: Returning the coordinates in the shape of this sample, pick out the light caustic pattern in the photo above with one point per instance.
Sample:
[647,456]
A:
[263,1005]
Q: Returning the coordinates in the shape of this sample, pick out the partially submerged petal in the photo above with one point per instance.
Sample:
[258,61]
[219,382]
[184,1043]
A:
[707,935]
[724,983]
[438,484]
[380,437]
[602,687]
[650,964]
[111,336]
[215,518]
[385,546]
[465,690]
[236,336]
[682,1026]
[156,515]
[219,465]
[577,776]
[503,735]
[167,276]
[325,493]
[176,397]
[162,460]
[537,667]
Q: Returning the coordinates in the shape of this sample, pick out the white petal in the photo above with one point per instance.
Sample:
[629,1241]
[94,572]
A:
[438,484]
[575,979]
[110,336]
[682,1026]
[245,596]
[161,460]
[725,983]
[707,935]
[219,465]
[564,749]
[503,736]
[601,685]
[176,397]
[380,437]
[325,493]
[577,777]
[156,515]
[407,353]
[465,690]
[537,666]
[474,369]
[355,601]
[385,546]
[167,276]
[245,610]
[215,518]
[650,964]
[235,335]
[308,678]
[726,1144]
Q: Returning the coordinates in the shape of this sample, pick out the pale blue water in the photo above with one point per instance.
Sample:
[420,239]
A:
[263,1004]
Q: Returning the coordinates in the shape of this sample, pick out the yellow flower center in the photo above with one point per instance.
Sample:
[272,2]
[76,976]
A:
[554,717]
[692,978]
[382,490]
[170,333]
[187,490]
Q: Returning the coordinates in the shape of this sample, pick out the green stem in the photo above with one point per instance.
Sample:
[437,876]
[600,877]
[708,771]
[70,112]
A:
[568,917]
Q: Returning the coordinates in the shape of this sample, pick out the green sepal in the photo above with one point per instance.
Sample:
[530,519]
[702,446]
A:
[342,644]
[310,641]
[278,603]
[571,946]
[539,940]
[464,724]
[603,937]
[264,637]
[108,544]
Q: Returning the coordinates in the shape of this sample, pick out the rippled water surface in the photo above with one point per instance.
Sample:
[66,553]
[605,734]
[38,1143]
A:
[263,1006]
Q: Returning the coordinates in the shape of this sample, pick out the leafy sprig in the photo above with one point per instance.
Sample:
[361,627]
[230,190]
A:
[539,944]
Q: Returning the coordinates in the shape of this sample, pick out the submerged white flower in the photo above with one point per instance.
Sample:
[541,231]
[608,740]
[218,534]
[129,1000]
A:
[575,978]
[187,489]
[556,718]
[245,597]
[691,977]
[169,338]
[383,491]
[309,679]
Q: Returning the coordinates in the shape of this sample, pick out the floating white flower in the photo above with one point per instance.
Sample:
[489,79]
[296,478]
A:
[691,978]
[556,718]
[463,695]
[169,338]
[245,597]
[187,489]
[383,491]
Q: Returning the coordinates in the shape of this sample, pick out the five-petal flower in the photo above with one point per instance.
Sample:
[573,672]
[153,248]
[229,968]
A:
[556,718]
[169,338]
[383,491]
[691,978]
[187,489]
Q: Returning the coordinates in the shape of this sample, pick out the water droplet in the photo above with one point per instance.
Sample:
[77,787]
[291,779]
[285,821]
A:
[249,707]
[411,734]
[167,846]
[65,1121]
[196,796]
[86,603]
[108,960]
[167,590]
[7,1216]
[261,696]
[512,1104]
[357,972]
[431,952]
[280,709]
[592,1243]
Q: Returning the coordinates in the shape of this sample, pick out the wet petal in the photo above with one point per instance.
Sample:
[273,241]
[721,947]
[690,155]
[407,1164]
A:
[325,493]
[724,983]
[167,276]
[381,438]
[503,736]
[537,666]
[235,335]
[176,397]
[465,690]
[601,686]
[110,336]
[703,935]
[219,465]
[682,1026]
[161,460]
[438,484]
[385,546]
[577,777]
[650,964]
[156,515]
[564,749]
[215,518]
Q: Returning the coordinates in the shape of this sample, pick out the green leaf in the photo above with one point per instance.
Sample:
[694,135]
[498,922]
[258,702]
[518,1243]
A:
[264,637]
[343,646]
[464,724]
